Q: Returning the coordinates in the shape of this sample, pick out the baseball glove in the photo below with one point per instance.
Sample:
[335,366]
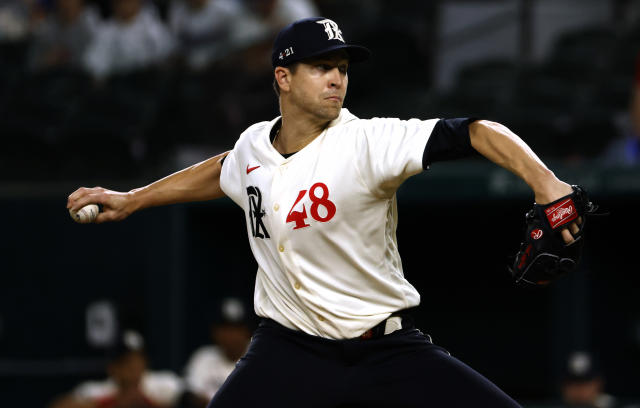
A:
[544,256]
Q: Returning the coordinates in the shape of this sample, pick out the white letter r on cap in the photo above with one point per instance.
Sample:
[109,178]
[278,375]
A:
[332,30]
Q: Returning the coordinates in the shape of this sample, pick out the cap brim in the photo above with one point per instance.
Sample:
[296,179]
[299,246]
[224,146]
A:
[356,53]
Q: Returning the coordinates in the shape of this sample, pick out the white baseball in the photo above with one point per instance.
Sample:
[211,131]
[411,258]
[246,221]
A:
[86,214]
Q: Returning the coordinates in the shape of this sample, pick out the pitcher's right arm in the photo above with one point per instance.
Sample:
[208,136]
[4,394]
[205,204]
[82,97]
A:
[200,182]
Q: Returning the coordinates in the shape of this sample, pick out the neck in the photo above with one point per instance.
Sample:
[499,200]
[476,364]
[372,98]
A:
[297,131]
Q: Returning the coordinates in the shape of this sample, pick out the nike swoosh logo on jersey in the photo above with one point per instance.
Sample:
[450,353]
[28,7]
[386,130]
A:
[250,169]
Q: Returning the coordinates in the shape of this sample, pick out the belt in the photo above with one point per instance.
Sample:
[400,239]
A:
[387,326]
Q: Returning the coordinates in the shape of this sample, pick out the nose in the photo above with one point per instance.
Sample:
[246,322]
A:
[336,78]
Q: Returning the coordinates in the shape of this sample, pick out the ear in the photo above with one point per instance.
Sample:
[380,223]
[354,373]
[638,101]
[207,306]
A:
[283,78]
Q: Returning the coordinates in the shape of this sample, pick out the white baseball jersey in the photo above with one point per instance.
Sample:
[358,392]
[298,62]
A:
[322,223]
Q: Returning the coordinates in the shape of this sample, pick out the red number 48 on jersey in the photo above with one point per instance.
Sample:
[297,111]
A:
[317,201]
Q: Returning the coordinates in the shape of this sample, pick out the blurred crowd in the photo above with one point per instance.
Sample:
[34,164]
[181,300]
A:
[121,88]
[118,36]
[129,380]
[96,78]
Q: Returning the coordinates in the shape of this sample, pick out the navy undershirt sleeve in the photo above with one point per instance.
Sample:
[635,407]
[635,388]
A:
[449,140]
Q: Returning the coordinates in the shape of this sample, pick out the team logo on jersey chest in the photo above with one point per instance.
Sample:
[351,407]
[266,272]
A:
[256,212]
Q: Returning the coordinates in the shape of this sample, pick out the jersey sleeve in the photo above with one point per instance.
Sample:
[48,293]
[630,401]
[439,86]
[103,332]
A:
[390,151]
[230,181]
[449,140]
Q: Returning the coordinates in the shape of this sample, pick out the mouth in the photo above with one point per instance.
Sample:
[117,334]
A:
[334,98]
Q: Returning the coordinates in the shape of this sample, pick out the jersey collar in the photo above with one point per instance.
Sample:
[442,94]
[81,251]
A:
[344,117]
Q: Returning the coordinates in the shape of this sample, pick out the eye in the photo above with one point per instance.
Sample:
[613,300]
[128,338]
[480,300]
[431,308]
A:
[343,68]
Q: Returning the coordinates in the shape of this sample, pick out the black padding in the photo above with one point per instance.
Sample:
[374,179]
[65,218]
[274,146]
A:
[449,140]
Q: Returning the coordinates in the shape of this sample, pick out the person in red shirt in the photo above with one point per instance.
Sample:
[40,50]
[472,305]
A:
[129,383]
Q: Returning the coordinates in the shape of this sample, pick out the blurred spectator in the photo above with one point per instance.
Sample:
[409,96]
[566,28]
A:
[63,37]
[210,365]
[14,20]
[583,384]
[129,383]
[264,18]
[625,150]
[261,21]
[134,38]
[635,108]
[245,93]
[203,28]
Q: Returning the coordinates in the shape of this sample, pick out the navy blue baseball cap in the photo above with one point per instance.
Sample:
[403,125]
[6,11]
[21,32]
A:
[311,37]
